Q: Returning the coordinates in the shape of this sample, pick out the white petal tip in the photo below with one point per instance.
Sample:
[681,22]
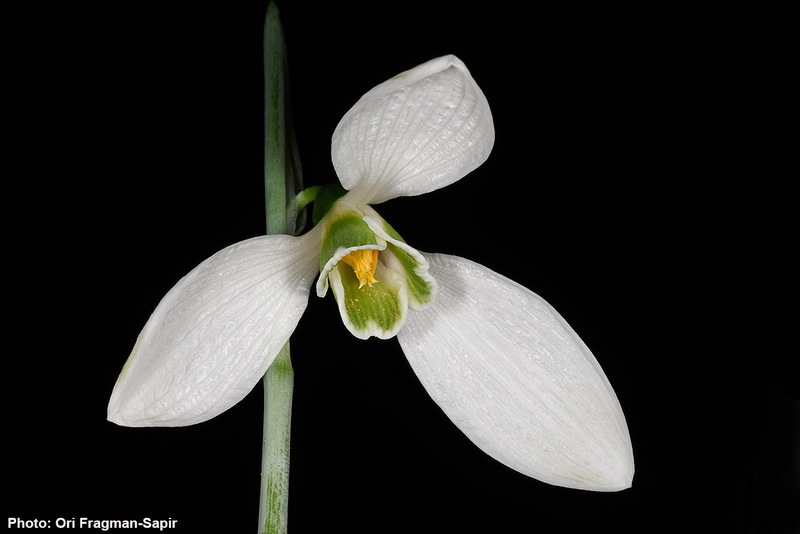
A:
[119,415]
[589,473]
[118,419]
[617,481]
[615,473]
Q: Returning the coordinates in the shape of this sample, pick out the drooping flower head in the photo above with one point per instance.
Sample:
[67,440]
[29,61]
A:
[500,362]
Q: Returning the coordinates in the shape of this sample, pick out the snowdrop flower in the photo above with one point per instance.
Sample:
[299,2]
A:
[500,362]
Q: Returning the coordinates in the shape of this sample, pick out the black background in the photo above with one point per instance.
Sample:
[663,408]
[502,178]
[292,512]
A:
[631,185]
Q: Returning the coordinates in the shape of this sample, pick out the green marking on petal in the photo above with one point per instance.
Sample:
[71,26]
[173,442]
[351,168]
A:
[421,287]
[402,257]
[375,276]
[377,309]
[346,231]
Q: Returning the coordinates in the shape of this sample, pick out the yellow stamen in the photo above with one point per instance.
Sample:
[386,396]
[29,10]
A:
[364,263]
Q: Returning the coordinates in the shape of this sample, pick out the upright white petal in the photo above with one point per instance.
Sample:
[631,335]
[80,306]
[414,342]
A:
[417,132]
[213,336]
[515,378]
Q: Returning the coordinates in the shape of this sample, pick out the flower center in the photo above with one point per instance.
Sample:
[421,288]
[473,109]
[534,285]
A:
[364,263]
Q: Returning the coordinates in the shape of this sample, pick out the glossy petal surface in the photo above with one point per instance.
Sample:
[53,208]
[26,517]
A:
[213,336]
[417,132]
[517,380]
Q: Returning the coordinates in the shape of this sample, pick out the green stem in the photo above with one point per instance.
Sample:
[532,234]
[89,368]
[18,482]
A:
[279,378]
[274,124]
[278,388]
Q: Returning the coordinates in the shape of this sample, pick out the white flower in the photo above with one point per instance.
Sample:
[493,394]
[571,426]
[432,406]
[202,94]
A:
[500,362]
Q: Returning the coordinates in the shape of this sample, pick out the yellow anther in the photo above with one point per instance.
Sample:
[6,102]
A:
[364,263]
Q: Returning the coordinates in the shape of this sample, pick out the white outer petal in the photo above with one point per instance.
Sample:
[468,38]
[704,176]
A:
[417,132]
[213,336]
[517,380]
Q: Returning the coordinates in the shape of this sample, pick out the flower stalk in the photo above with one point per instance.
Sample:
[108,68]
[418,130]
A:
[278,382]
[278,389]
